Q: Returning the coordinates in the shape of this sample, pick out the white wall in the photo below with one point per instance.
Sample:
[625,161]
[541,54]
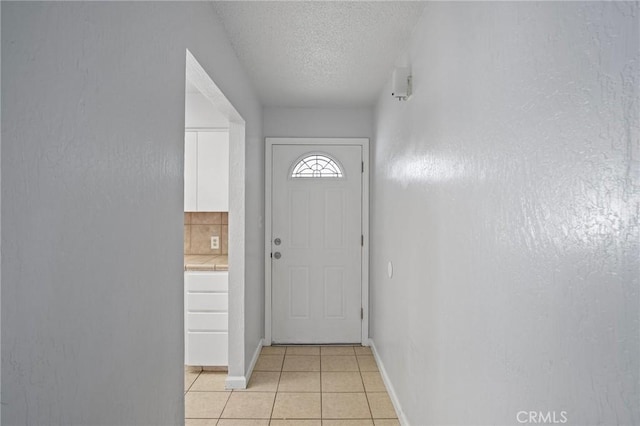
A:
[199,112]
[92,207]
[506,193]
[318,122]
[0,222]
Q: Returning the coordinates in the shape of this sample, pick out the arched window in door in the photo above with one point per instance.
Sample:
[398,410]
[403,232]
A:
[316,166]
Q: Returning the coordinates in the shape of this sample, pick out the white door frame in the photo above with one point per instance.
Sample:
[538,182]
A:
[362,142]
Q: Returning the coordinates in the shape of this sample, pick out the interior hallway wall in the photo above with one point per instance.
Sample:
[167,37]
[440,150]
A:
[93,141]
[506,194]
[318,122]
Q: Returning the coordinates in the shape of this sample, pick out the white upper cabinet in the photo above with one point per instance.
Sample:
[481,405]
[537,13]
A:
[206,171]
[190,171]
[213,171]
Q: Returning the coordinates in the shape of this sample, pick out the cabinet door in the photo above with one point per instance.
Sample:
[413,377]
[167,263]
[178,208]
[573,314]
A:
[190,171]
[206,318]
[213,171]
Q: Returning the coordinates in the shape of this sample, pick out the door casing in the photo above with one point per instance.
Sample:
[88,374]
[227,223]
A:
[364,143]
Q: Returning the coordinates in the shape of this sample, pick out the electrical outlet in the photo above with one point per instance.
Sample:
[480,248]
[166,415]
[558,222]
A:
[215,243]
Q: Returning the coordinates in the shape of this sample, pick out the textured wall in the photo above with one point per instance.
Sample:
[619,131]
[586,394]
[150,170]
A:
[506,192]
[318,122]
[93,131]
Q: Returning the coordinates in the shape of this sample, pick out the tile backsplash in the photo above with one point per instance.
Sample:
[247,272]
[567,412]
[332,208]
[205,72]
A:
[200,227]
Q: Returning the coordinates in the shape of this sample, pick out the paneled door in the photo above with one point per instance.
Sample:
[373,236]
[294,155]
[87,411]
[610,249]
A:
[316,243]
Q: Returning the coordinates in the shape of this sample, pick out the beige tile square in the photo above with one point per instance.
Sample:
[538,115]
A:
[262,381]
[362,350]
[200,422]
[225,218]
[189,378]
[343,381]
[224,239]
[249,405]
[209,381]
[296,422]
[356,422]
[193,368]
[345,406]
[197,259]
[386,422]
[337,350]
[301,363]
[204,405]
[269,363]
[206,218]
[381,406]
[201,238]
[187,218]
[373,381]
[367,363]
[297,406]
[187,239]
[273,350]
[339,363]
[299,381]
[243,422]
[303,350]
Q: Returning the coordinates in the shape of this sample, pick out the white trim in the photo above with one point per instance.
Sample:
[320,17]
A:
[241,382]
[365,245]
[235,382]
[402,418]
[364,143]
[254,359]
[206,129]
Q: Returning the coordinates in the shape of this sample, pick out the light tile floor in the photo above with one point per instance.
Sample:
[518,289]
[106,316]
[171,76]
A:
[295,385]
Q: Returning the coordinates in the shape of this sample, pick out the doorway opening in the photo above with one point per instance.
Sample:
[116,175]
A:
[214,290]
[316,241]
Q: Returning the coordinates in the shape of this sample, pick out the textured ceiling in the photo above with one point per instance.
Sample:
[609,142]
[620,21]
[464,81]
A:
[319,54]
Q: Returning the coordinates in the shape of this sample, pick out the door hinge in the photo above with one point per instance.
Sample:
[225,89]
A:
[362,240]
[361,313]
[363,167]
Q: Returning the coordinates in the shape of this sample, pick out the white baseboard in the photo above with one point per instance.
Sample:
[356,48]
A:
[241,382]
[235,382]
[402,418]
[254,359]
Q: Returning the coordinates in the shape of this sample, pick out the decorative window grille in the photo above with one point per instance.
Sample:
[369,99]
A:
[316,166]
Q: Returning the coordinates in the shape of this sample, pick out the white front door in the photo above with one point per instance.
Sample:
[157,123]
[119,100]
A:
[316,246]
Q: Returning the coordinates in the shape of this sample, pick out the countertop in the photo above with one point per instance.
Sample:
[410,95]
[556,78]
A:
[206,262]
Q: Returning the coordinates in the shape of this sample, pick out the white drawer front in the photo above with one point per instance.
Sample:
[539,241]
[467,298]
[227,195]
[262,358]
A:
[207,281]
[209,321]
[207,349]
[207,302]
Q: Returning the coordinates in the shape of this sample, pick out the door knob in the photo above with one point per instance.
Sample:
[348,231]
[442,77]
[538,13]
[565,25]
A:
[277,255]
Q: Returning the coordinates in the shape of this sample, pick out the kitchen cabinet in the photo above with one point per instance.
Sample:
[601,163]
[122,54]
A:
[206,171]
[190,171]
[206,318]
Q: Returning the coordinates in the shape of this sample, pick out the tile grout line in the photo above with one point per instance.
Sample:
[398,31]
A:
[366,395]
[192,383]
[275,396]
[321,418]
[225,406]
